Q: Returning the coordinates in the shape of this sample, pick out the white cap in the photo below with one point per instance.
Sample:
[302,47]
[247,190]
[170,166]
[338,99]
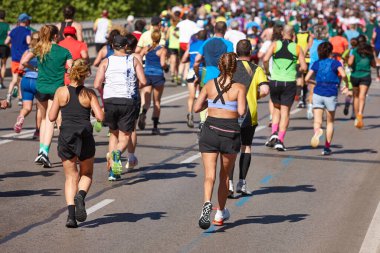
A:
[321,16]
[130,18]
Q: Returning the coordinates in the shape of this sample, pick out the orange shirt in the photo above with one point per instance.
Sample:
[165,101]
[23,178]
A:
[340,44]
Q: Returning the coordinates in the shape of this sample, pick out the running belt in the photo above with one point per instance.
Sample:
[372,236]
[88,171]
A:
[219,102]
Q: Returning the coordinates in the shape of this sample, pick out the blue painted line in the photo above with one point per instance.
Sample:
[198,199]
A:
[266,179]
[287,161]
[209,231]
[242,201]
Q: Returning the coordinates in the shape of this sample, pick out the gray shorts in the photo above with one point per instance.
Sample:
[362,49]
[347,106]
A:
[328,103]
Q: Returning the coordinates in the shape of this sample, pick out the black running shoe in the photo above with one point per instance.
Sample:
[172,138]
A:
[326,151]
[80,208]
[279,145]
[204,220]
[156,131]
[190,120]
[141,121]
[71,223]
[272,140]
[38,158]
[45,161]
[346,107]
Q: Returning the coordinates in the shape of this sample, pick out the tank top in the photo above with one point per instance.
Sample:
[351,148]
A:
[120,78]
[73,113]
[303,41]
[110,51]
[219,101]
[377,39]
[63,26]
[284,61]
[314,51]
[173,40]
[153,63]
[29,72]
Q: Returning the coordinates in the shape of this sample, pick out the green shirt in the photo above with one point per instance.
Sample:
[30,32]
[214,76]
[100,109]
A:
[51,69]
[284,69]
[173,40]
[369,31]
[4,29]
[362,65]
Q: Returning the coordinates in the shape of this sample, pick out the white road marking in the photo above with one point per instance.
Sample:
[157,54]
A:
[295,111]
[174,99]
[24,134]
[99,205]
[192,158]
[371,241]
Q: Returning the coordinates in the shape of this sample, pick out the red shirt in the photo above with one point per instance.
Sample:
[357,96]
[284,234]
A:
[75,47]
[137,35]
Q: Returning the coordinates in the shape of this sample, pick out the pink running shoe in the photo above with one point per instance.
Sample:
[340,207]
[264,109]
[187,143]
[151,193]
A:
[18,126]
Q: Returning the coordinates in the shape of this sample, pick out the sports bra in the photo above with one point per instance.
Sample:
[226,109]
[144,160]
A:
[222,104]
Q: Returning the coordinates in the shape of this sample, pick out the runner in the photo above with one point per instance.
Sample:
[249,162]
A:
[102,27]
[52,62]
[28,88]
[139,28]
[68,14]
[146,38]
[107,50]
[75,142]
[120,73]
[234,35]
[361,60]
[172,37]
[155,65]
[256,83]
[4,49]
[325,97]
[220,135]
[19,37]
[375,42]
[283,83]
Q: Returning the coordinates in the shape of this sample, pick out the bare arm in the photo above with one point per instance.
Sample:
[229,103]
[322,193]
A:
[7,40]
[101,55]
[98,112]
[79,28]
[28,39]
[201,102]
[343,75]
[24,62]
[301,58]
[197,63]
[84,55]
[267,57]
[140,73]
[264,91]
[242,100]
[100,75]
[308,75]
[53,113]
[351,60]
[163,58]
[185,56]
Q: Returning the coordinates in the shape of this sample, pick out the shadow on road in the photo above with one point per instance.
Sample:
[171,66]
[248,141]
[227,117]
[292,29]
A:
[161,175]
[122,217]
[284,189]
[24,193]
[44,173]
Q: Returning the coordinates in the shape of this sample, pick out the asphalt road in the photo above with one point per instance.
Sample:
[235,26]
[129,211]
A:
[302,201]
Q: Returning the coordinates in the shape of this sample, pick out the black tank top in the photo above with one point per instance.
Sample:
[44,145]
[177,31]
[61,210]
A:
[63,25]
[73,113]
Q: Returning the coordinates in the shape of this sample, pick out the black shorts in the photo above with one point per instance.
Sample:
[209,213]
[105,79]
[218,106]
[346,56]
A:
[121,114]
[282,93]
[214,140]
[4,51]
[173,51]
[360,81]
[155,80]
[181,53]
[41,97]
[87,150]
[301,73]
[99,46]
[246,135]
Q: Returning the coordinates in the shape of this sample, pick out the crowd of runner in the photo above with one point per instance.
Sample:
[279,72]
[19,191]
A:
[229,54]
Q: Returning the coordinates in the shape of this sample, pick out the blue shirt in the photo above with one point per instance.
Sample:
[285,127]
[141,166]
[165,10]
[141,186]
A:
[212,49]
[18,40]
[350,34]
[326,76]
[314,51]
[194,50]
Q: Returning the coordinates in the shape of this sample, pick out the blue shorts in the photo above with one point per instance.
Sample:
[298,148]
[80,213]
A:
[321,102]
[155,81]
[28,88]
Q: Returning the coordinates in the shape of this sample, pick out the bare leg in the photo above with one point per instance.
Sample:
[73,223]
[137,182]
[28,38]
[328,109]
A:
[227,162]
[356,100]
[191,98]
[157,94]
[318,118]
[209,164]
[85,174]
[284,119]
[72,178]
[330,126]
[363,90]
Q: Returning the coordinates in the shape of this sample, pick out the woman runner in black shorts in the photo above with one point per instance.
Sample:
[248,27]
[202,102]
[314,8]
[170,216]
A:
[220,134]
[75,141]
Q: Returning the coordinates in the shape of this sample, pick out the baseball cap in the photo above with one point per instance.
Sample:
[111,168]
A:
[155,21]
[119,41]
[70,30]
[234,24]
[24,17]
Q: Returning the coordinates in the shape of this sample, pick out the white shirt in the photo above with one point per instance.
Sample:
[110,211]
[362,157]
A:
[186,29]
[234,36]
[102,26]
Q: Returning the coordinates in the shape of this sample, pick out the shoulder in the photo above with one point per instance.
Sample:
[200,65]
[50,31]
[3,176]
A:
[61,91]
[77,25]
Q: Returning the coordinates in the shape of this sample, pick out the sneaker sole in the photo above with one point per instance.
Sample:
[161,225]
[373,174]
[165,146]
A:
[80,209]
[278,148]
[220,223]
[315,139]
[141,123]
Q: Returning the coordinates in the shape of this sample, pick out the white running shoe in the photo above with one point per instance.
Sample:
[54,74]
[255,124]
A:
[316,138]
[221,216]
[131,163]
[309,114]
[241,187]
[231,186]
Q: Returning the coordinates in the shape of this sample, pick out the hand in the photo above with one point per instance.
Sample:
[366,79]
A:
[3,104]
[344,90]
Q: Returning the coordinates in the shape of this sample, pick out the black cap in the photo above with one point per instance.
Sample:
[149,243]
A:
[155,21]
[119,41]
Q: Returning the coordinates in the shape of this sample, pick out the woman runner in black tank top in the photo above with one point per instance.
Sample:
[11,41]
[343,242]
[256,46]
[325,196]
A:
[75,141]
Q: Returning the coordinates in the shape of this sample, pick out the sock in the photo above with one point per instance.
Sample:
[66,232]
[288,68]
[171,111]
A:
[144,111]
[348,100]
[71,209]
[82,193]
[203,116]
[299,89]
[155,122]
[327,144]
[219,212]
[131,156]
[274,128]
[281,135]
[41,150]
[245,161]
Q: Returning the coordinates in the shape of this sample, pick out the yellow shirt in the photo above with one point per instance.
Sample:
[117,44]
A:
[146,39]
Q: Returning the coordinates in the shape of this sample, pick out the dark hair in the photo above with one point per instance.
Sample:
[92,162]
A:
[112,35]
[139,25]
[227,66]
[324,50]
[354,42]
[270,24]
[364,49]
[340,31]
[362,39]
[202,35]
[2,14]
[69,12]
[277,32]
[220,27]
[131,43]
[304,23]
[243,48]
[191,16]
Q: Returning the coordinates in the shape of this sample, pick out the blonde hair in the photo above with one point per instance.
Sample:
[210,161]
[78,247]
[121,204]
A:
[79,71]
[43,46]
[156,37]
[34,39]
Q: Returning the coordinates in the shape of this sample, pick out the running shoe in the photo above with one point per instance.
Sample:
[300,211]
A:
[359,121]
[71,223]
[38,159]
[301,104]
[190,120]
[204,221]
[116,166]
[309,114]
[45,161]
[80,208]
[156,131]
[183,84]
[131,163]
[346,108]
[279,145]
[18,125]
[98,126]
[316,138]
[326,151]
[15,91]
[36,134]
[19,102]
[241,187]
[221,217]
[113,177]
[272,140]
[141,121]
[2,86]
[9,100]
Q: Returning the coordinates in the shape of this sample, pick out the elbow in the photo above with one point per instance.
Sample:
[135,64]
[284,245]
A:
[196,109]
[52,118]
[241,112]
[100,117]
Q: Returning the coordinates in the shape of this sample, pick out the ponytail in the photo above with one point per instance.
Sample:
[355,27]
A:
[227,66]
[43,46]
